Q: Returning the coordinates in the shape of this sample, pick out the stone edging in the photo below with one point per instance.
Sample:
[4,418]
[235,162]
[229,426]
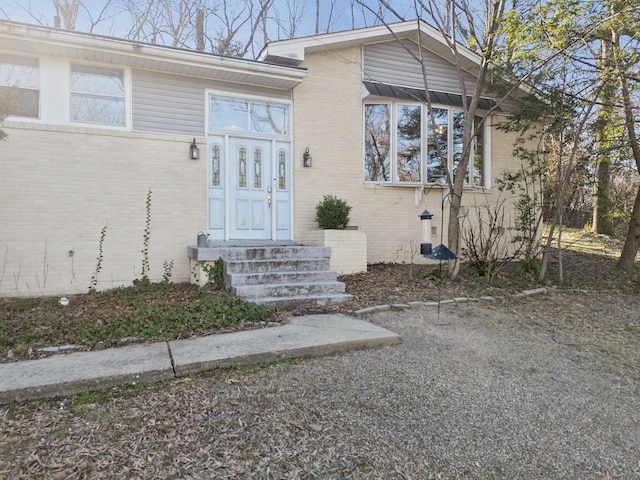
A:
[409,305]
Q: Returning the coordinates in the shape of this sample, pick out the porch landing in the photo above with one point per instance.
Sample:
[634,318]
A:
[280,274]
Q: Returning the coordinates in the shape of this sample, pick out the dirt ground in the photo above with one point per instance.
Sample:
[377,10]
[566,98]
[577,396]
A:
[537,387]
[484,390]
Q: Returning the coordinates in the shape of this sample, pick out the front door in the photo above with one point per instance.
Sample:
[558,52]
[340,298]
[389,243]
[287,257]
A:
[249,169]
[250,189]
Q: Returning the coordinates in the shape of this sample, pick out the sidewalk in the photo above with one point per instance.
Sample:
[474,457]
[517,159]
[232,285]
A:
[65,374]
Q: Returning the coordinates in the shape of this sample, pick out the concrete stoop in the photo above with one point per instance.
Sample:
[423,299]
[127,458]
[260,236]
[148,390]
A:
[279,275]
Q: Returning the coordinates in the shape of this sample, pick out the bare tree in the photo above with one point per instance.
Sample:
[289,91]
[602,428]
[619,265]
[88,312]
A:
[238,25]
[624,64]
[288,17]
[329,13]
[67,12]
[167,22]
[456,22]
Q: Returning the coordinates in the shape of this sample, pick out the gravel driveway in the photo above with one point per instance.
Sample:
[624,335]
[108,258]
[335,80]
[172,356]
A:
[471,394]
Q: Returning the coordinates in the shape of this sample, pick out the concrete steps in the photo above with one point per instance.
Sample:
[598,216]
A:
[282,276]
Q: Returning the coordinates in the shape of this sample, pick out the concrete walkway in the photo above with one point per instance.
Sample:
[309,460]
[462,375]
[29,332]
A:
[65,374]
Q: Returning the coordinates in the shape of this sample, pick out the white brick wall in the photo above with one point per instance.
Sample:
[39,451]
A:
[328,119]
[348,248]
[60,186]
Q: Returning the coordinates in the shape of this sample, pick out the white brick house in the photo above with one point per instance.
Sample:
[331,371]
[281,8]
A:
[96,123]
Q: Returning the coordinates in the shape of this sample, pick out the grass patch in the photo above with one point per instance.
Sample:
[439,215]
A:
[143,312]
[591,243]
[633,330]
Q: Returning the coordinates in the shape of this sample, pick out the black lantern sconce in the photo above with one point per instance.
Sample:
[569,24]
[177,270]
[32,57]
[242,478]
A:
[425,246]
[194,151]
[306,158]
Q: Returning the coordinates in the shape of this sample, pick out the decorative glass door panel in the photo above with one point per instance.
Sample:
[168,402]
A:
[215,187]
[282,180]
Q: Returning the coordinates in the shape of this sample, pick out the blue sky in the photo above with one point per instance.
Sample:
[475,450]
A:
[43,11]
[118,22]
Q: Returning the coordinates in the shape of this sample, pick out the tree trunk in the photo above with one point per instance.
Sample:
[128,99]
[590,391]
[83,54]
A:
[632,242]
[67,11]
[453,236]
[630,249]
[601,221]
[200,30]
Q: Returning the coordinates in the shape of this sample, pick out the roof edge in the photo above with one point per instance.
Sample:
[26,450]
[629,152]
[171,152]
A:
[296,48]
[49,35]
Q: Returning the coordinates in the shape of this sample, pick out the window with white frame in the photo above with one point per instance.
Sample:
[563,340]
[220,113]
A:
[20,86]
[404,145]
[97,95]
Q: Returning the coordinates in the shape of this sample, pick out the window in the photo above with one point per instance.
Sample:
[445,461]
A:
[377,143]
[409,143]
[420,148]
[97,96]
[20,86]
[437,145]
[238,114]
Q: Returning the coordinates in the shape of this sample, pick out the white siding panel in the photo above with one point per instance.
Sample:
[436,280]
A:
[390,63]
[165,103]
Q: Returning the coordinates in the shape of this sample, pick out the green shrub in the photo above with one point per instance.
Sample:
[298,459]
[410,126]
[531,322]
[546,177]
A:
[529,265]
[433,273]
[332,213]
[215,273]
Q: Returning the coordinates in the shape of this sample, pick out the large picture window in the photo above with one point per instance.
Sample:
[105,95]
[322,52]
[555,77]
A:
[20,86]
[97,96]
[418,149]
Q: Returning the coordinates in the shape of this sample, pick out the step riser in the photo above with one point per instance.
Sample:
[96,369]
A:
[261,253]
[288,290]
[237,279]
[292,302]
[271,266]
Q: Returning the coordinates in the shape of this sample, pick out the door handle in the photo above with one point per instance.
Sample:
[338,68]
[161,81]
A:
[269,200]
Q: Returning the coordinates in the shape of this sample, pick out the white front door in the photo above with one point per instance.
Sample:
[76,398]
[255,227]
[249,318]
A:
[250,189]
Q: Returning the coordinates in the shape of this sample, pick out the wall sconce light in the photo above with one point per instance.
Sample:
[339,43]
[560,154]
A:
[425,246]
[194,151]
[306,158]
